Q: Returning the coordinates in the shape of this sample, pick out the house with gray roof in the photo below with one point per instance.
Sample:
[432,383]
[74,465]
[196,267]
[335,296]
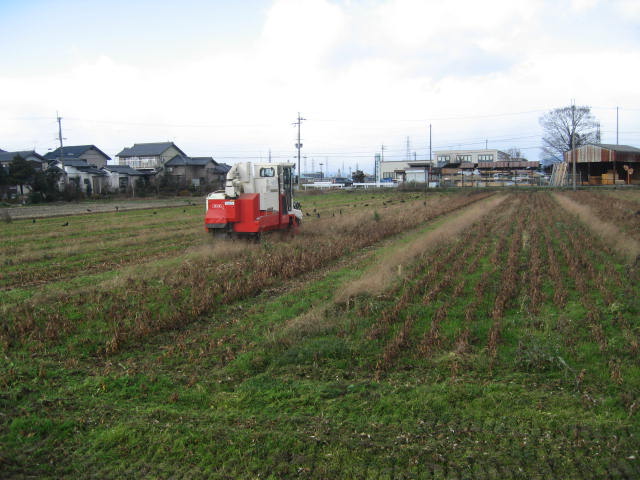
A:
[90,153]
[86,178]
[194,171]
[148,157]
[37,160]
[122,178]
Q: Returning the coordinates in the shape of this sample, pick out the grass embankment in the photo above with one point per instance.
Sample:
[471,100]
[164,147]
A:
[506,350]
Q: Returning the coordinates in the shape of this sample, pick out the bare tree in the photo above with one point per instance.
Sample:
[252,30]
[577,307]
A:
[514,152]
[561,125]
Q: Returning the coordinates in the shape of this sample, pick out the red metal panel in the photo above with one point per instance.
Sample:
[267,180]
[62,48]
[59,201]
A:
[231,210]
[216,212]
[249,206]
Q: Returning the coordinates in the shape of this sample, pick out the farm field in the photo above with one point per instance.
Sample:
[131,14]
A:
[468,334]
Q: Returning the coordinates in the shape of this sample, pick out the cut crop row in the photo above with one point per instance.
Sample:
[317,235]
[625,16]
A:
[196,287]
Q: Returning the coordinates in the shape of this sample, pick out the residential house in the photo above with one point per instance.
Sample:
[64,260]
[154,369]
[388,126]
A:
[221,171]
[195,171]
[87,178]
[148,158]
[121,178]
[90,153]
[38,162]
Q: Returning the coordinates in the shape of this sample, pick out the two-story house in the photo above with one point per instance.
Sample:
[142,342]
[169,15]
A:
[148,157]
[193,171]
[91,154]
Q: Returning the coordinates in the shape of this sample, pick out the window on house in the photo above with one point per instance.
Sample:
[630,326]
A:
[443,158]
[463,158]
[268,172]
[485,158]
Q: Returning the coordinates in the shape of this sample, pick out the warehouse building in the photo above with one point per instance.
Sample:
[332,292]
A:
[601,164]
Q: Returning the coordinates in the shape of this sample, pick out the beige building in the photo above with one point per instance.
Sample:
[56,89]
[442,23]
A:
[402,171]
[444,157]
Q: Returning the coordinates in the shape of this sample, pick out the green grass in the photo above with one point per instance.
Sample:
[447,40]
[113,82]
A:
[258,389]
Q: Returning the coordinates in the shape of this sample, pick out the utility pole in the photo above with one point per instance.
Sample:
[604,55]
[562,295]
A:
[430,159]
[269,155]
[486,144]
[379,167]
[617,126]
[408,150]
[573,146]
[299,145]
[59,136]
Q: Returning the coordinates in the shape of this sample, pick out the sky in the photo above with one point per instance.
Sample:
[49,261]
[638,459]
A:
[228,79]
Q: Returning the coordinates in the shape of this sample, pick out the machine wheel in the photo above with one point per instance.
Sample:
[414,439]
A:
[220,234]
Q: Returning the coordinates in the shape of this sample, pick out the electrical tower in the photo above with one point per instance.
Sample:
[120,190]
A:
[408,150]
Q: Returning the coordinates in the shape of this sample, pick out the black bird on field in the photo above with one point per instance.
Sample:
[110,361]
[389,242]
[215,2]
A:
[308,214]
[318,214]
[184,211]
[117,208]
[155,213]
[65,224]
[88,209]
[33,221]
[340,211]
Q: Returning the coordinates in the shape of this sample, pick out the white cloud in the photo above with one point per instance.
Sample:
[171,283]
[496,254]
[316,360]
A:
[630,9]
[582,5]
[402,60]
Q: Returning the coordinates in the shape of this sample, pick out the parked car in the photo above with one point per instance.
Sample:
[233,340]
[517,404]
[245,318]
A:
[347,182]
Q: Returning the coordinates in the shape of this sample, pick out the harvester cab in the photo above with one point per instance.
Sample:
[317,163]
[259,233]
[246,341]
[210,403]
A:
[258,197]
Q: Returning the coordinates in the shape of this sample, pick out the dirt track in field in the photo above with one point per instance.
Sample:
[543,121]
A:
[82,208]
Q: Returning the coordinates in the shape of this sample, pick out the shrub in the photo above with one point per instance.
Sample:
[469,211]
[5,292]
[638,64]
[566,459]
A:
[538,354]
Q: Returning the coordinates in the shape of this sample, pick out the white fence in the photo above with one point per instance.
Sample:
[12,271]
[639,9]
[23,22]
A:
[328,185]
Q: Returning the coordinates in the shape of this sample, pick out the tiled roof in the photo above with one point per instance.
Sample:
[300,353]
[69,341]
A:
[222,168]
[122,169]
[148,149]
[7,157]
[74,151]
[71,162]
[182,160]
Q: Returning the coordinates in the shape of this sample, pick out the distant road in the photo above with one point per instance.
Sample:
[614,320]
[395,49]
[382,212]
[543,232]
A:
[86,207]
